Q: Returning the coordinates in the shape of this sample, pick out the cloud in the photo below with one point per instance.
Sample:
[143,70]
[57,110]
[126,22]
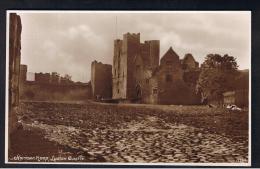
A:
[68,42]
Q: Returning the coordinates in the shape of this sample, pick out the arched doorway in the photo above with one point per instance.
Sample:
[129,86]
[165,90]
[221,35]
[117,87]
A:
[138,91]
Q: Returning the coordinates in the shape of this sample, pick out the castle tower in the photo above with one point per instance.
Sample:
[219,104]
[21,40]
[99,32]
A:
[189,63]
[131,60]
[101,80]
[119,71]
[150,51]
[125,52]
[131,48]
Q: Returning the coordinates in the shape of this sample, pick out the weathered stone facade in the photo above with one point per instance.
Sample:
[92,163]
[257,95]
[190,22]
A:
[138,77]
[171,87]
[101,80]
[133,63]
[15,29]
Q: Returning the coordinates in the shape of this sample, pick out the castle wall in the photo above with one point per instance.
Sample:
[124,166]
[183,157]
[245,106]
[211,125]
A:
[15,29]
[31,90]
[43,89]
[101,80]
[43,78]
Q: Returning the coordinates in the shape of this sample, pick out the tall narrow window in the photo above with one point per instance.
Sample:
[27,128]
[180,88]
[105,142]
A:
[155,91]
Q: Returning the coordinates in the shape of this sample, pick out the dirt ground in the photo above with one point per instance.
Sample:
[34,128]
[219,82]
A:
[99,132]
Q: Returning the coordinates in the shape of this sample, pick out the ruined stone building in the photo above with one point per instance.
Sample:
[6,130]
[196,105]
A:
[101,80]
[137,75]
[168,85]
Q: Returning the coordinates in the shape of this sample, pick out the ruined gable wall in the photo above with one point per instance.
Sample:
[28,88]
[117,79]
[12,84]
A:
[171,87]
[189,62]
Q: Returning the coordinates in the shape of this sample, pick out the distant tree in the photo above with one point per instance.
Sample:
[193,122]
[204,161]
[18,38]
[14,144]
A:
[217,75]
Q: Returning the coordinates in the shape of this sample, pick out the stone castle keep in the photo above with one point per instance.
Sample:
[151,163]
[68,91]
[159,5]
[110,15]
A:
[138,75]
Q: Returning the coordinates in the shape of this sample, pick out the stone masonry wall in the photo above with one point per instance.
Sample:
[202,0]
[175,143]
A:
[31,90]
[119,72]
[15,29]
[101,80]
[132,60]
[131,45]
[172,88]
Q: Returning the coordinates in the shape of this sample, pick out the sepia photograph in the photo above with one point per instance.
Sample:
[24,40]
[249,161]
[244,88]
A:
[128,87]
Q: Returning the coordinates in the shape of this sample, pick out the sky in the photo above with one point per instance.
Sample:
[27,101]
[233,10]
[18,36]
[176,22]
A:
[67,43]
